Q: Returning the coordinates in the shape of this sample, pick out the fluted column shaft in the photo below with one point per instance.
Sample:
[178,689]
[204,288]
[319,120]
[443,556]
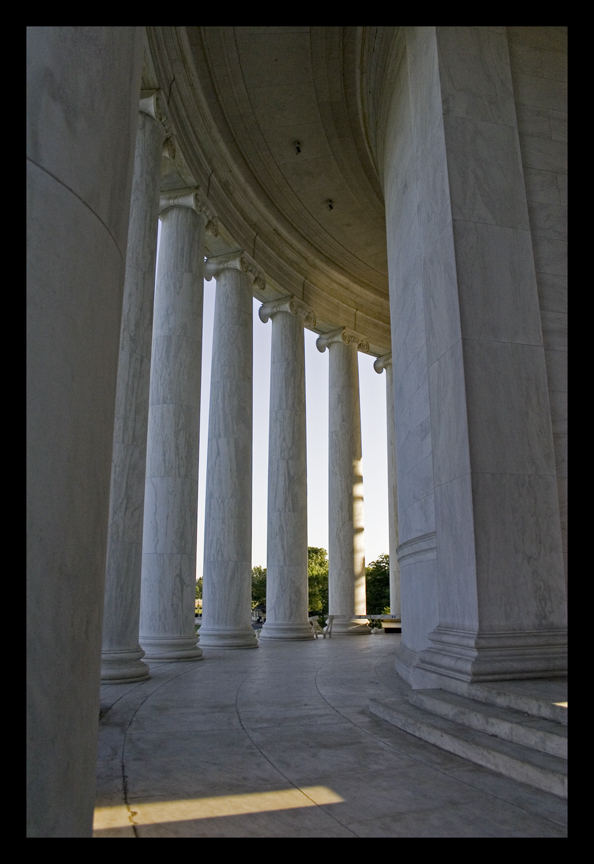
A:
[346,545]
[167,630]
[226,608]
[121,654]
[385,362]
[286,573]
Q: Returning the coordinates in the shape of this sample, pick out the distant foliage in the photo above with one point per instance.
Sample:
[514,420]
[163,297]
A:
[258,586]
[317,572]
[377,585]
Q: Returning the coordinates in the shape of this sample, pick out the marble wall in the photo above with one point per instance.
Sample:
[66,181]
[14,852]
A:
[538,58]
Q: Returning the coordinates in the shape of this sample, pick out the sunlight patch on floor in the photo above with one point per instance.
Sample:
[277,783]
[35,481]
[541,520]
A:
[151,812]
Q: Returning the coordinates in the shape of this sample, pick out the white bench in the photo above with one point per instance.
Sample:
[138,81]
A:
[327,630]
[315,626]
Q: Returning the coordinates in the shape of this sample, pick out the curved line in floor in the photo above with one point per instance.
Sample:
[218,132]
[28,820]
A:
[433,767]
[138,707]
[276,768]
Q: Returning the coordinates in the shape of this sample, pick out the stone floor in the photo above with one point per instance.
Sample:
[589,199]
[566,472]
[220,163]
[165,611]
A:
[279,742]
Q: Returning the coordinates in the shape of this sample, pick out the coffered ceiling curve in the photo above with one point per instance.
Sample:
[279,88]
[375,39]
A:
[273,123]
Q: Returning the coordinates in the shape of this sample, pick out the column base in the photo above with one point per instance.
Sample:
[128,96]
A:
[499,656]
[345,626]
[167,649]
[404,662]
[285,632]
[228,637]
[123,667]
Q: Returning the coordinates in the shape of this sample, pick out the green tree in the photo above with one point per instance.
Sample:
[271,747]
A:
[317,577]
[258,586]
[199,589]
[377,585]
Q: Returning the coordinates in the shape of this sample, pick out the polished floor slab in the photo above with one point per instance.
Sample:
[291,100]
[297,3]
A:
[279,742]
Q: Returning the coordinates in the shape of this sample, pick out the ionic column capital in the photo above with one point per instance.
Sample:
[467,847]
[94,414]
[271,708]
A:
[151,103]
[288,304]
[194,199]
[235,261]
[169,149]
[382,362]
[343,335]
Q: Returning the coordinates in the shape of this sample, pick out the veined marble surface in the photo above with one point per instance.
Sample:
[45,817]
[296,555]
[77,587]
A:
[226,617]
[82,115]
[286,572]
[479,336]
[171,499]
[121,649]
[385,362]
[346,546]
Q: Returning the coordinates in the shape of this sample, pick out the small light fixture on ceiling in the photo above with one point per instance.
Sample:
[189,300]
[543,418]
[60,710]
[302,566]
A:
[297,146]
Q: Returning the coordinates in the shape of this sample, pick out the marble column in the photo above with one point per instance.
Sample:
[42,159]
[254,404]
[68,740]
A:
[474,423]
[167,628]
[82,116]
[385,362]
[346,544]
[286,574]
[121,656]
[226,592]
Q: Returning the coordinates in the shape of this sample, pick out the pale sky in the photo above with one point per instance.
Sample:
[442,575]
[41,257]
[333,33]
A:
[373,429]
[372,392]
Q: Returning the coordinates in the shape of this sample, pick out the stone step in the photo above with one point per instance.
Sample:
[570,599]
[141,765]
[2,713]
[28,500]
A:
[521,763]
[507,723]
[549,706]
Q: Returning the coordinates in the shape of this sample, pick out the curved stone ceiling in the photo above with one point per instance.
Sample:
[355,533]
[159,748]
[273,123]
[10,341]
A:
[271,123]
